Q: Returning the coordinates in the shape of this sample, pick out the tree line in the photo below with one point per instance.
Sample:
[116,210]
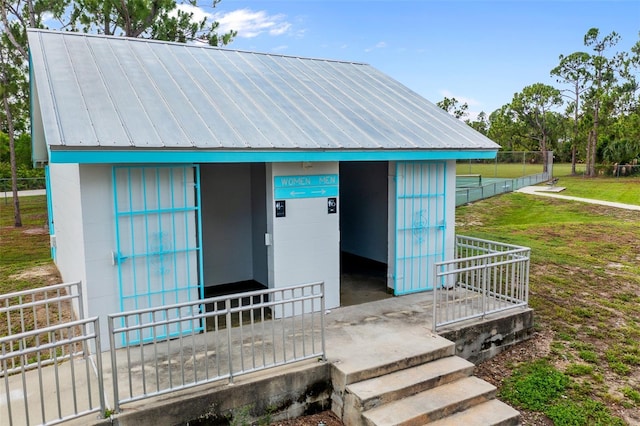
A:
[592,116]
[155,19]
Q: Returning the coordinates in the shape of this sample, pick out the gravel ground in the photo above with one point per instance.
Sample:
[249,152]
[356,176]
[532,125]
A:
[327,417]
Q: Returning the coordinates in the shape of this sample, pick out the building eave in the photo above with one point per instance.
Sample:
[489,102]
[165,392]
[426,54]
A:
[250,156]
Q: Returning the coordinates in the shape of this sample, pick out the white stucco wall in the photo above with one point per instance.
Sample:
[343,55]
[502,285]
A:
[99,241]
[259,223]
[306,243]
[66,205]
[363,213]
[84,218]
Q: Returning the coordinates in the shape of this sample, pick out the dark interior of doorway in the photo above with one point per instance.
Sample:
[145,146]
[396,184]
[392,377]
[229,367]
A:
[363,209]
[232,288]
[219,322]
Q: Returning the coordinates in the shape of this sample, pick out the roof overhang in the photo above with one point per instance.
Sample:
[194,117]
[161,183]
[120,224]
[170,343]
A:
[258,156]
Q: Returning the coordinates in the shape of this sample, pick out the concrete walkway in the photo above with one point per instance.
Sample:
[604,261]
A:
[553,193]
[26,193]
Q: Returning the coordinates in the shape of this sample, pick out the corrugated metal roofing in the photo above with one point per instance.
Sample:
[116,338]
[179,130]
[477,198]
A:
[109,92]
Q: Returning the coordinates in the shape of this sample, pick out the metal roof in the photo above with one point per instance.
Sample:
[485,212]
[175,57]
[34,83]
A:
[115,93]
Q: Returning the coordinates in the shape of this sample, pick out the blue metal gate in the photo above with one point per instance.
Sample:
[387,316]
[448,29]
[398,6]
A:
[420,224]
[159,255]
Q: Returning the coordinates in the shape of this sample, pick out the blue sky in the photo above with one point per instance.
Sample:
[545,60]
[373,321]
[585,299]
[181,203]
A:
[480,52]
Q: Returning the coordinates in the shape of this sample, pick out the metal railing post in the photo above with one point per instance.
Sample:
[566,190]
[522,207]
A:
[114,364]
[435,298]
[322,313]
[484,286]
[227,305]
[99,369]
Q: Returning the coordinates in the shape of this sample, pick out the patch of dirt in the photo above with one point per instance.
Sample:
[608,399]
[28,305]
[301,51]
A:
[35,231]
[48,274]
[327,417]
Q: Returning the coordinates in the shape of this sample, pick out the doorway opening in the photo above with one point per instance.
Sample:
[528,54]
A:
[234,221]
[364,223]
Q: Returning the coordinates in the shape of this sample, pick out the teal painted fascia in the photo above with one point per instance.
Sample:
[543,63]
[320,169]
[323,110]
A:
[257,156]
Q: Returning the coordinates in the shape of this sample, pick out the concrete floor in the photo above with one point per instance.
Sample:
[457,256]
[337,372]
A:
[362,281]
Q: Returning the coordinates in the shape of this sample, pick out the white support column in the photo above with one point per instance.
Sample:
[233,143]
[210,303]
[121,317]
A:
[304,244]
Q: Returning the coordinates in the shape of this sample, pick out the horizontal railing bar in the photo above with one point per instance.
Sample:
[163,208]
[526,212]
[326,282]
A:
[477,289]
[49,329]
[486,256]
[173,389]
[475,267]
[33,366]
[73,416]
[217,378]
[481,314]
[491,249]
[47,346]
[480,240]
[40,290]
[219,299]
[277,364]
[13,308]
[209,314]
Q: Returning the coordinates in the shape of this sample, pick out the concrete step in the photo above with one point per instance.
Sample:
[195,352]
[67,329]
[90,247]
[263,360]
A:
[490,413]
[374,392]
[364,356]
[432,404]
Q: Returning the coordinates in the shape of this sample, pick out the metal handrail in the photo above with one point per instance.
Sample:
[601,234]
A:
[81,335]
[475,286]
[216,338]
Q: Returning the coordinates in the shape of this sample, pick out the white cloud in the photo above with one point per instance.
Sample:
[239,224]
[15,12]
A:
[246,22]
[472,113]
[249,23]
[461,99]
[47,17]
[379,45]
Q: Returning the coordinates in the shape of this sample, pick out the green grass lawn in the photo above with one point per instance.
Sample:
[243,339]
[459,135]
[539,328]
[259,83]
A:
[621,190]
[513,170]
[585,287]
[23,249]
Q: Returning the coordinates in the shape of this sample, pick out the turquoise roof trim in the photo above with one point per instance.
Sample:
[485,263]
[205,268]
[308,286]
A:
[256,156]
